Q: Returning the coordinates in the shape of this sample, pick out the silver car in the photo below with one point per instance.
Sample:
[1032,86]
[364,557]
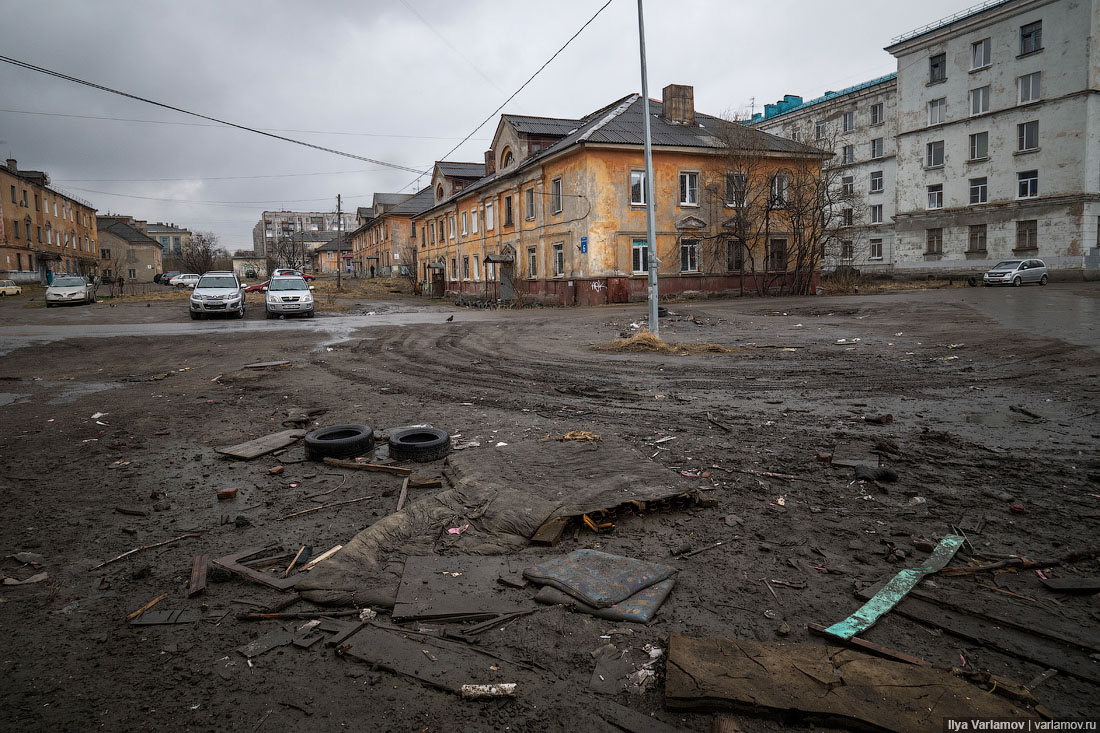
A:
[219,293]
[69,289]
[286,296]
[1017,272]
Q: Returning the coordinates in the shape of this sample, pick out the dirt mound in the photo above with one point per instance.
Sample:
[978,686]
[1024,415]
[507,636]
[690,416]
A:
[646,341]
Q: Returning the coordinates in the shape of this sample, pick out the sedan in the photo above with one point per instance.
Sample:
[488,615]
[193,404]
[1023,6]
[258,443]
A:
[1016,273]
[8,287]
[257,287]
[186,280]
[285,272]
[66,290]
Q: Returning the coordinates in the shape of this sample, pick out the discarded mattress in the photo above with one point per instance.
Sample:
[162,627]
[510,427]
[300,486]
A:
[639,608]
[504,494]
[596,578]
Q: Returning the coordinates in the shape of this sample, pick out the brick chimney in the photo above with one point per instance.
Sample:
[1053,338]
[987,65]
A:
[490,162]
[679,104]
[11,165]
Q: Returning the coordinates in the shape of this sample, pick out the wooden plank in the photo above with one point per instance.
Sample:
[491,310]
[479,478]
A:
[266,643]
[320,559]
[198,575]
[360,466]
[1072,585]
[156,618]
[550,532]
[870,647]
[265,364]
[259,446]
[233,564]
[404,494]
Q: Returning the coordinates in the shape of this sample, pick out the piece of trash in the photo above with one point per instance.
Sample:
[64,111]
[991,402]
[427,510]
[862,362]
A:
[476,692]
[768,613]
[955,346]
[843,342]
[879,419]
[916,500]
[226,494]
[276,470]
[458,530]
[37,578]
[29,558]
[501,444]
[781,501]
[1018,509]
[97,415]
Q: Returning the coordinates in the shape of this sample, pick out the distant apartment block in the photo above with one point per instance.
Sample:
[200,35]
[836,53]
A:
[274,225]
[173,239]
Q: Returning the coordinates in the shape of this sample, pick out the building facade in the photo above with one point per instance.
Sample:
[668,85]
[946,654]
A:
[385,243]
[276,225]
[43,232]
[126,250]
[173,239]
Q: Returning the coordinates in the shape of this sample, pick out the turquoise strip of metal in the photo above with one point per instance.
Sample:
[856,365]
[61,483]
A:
[898,587]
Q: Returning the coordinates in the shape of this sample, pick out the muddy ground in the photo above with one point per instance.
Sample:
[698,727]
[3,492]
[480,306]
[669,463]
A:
[947,365]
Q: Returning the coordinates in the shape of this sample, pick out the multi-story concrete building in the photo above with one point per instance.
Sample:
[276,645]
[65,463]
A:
[173,239]
[43,230]
[275,225]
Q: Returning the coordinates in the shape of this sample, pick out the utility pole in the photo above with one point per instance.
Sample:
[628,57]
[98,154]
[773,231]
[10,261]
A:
[651,234]
[339,244]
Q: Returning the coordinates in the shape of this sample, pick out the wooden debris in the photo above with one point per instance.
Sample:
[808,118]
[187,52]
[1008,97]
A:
[1022,562]
[226,494]
[294,562]
[131,512]
[147,606]
[320,558]
[233,564]
[266,643]
[158,618]
[142,548]
[264,616]
[1072,585]
[550,532]
[198,575]
[404,494]
[359,466]
[262,446]
[714,422]
[870,647]
[265,364]
[325,506]
[424,483]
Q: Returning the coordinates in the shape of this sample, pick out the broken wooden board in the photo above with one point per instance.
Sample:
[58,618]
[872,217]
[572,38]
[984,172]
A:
[806,680]
[265,364]
[198,575]
[260,446]
[870,647]
[456,587]
[157,618]
[1072,585]
[266,643]
[443,666]
[233,564]
[632,720]
[855,453]
[550,532]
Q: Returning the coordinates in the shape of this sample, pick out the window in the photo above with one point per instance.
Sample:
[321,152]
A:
[877,117]
[979,100]
[508,219]
[979,54]
[507,159]
[637,188]
[979,146]
[640,256]
[689,189]
[14,200]
[976,239]
[1031,37]
[736,189]
[689,255]
[431,231]
[132,271]
[1028,184]
[936,111]
[935,196]
[777,255]
[876,181]
[937,68]
[38,234]
[38,208]
[847,217]
[465,268]
[819,130]
[451,225]
[877,147]
[1027,234]
[555,196]
[488,215]
[1030,87]
[780,190]
[15,227]
[874,249]
[1027,136]
[934,242]
[794,135]
[849,154]
[559,260]
[735,255]
[529,203]
[54,203]
[847,249]
[454,268]
[465,230]
[934,154]
[849,121]
[876,213]
[979,190]
[473,220]
[847,185]
[532,263]
[477,270]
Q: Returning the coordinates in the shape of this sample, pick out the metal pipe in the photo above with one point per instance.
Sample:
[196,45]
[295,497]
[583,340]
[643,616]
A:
[651,236]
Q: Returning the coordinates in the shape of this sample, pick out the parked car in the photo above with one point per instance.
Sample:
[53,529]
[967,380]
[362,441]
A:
[166,277]
[1016,272]
[257,287]
[286,272]
[184,281]
[69,289]
[217,293]
[250,274]
[288,296]
[8,287]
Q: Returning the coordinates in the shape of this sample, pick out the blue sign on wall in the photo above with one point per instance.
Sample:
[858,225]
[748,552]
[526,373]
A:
[584,245]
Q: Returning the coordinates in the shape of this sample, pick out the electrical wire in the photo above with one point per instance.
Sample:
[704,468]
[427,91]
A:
[210,178]
[93,85]
[229,204]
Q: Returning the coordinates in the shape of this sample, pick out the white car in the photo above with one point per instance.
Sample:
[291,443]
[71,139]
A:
[185,280]
[8,287]
[285,296]
[69,289]
[217,293]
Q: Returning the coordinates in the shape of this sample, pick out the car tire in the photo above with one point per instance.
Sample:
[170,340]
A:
[972,281]
[1043,280]
[270,315]
[49,305]
[309,314]
[196,316]
[1017,282]
[339,441]
[419,444]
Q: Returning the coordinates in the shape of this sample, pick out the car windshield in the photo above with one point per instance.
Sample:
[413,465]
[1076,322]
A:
[69,282]
[288,283]
[217,282]
[1006,265]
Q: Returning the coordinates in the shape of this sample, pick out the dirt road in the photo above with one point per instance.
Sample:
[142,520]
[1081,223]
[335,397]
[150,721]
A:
[949,366]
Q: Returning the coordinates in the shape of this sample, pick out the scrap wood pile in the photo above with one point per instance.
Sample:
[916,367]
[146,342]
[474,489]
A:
[646,341]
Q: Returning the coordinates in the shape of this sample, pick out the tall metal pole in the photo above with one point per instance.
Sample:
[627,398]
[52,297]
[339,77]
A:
[651,234]
[339,245]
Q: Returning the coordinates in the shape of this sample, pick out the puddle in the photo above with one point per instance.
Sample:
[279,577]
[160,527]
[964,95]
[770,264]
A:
[66,392]
[10,398]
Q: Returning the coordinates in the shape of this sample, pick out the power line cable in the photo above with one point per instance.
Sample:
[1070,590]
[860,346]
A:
[229,204]
[93,85]
[210,178]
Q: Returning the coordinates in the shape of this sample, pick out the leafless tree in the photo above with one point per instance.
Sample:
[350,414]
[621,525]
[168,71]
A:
[288,252]
[202,253]
[406,264]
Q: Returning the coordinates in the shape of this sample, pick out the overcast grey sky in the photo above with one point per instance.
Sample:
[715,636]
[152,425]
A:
[395,80]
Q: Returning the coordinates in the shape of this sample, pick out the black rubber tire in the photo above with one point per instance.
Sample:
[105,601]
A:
[339,441]
[309,314]
[419,444]
[972,281]
[270,315]
[196,316]
[1043,280]
[1017,282]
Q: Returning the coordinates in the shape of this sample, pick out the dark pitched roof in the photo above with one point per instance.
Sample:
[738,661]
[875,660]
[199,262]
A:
[365,212]
[551,126]
[389,199]
[339,242]
[453,169]
[124,231]
[420,201]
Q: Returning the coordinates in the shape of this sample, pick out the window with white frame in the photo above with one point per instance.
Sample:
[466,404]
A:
[736,189]
[637,188]
[488,215]
[848,154]
[473,220]
[559,260]
[819,130]
[979,146]
[874,249]
[937,110]
[876,213]
[689,189]
[1030,87]
[847,250]
[935,196]
[976,238]
[735,255]
[509,219]
[689,255]
[979,100]
[877,115]
[431,232]
[876,181]
[529,204]
[877,147]
[849,121]
[1031,37]
[639,251]
[979,53]
[781,185]
[477,269]
[847,217]
[532,263]
[555,196]
[465,227]
[454,268]
[1027,183]
[1027,136]
[979,190]
[847,185]
[933,154]
[466,268]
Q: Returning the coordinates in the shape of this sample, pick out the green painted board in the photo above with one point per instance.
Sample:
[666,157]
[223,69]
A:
[895,590]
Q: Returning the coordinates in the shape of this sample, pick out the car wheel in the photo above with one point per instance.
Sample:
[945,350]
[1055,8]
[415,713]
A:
[1017,282]
[49,305]
[270,315]
[972,281]
[3,294]
[419,444]
[1043,280]
[195,316]
[339,441]
[309,314]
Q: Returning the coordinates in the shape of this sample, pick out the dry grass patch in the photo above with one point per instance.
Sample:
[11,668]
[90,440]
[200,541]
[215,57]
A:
[645,341]
[870,287]
[379,287]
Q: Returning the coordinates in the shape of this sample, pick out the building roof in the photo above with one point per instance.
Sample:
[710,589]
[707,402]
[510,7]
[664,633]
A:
[826,97]
[556,126]
[365,212]
[420,201]
[123,231]
[944,22]
[337,243]
[161,228]
[453,169]
[389,199]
